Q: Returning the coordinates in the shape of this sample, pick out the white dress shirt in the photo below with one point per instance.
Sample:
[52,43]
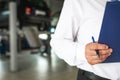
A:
[79,21]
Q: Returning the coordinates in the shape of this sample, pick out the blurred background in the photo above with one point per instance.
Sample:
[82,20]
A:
[35,22]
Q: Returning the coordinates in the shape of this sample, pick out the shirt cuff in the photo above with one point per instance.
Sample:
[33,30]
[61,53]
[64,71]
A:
[80,54]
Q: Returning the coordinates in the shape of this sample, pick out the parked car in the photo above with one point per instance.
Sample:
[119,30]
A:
[29,12]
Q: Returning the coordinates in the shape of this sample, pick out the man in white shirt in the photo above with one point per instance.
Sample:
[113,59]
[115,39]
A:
[79,21]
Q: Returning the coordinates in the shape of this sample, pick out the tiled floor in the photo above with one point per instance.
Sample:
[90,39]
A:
[37,67]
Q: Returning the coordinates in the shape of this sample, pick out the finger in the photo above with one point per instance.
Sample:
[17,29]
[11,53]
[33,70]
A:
[91,53]
[95,62]
[105,54]
[92,58]
[106,51]
[103,57]
[98,46]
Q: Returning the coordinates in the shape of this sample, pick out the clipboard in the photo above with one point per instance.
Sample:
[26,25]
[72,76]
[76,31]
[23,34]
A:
[110,30]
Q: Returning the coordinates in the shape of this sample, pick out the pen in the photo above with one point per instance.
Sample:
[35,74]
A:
[97,51]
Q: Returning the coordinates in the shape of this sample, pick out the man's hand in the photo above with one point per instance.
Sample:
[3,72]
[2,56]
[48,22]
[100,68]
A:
[91,55]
